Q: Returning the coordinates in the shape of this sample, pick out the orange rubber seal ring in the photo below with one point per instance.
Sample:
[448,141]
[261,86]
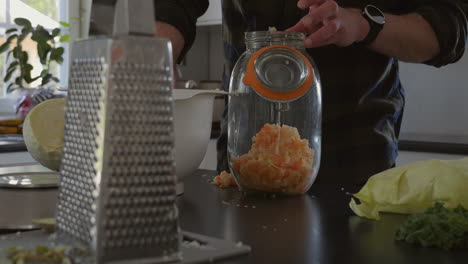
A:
[250,78]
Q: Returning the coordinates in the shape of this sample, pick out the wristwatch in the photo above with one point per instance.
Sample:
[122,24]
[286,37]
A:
[376,19]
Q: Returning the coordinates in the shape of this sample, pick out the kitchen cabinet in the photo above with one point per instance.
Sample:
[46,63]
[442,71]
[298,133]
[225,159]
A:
[212,16]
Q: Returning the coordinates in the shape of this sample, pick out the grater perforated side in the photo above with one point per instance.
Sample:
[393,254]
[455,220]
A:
[76,209]
[118,174]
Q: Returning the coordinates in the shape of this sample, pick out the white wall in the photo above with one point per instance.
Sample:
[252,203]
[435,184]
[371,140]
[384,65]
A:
[204,61]
[437,102]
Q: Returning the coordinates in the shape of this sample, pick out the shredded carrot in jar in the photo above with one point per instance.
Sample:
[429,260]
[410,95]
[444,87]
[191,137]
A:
[279,161]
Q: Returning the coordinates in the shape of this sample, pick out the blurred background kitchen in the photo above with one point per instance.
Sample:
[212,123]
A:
[435,123]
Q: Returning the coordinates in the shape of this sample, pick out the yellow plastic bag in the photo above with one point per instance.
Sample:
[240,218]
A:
[413,188]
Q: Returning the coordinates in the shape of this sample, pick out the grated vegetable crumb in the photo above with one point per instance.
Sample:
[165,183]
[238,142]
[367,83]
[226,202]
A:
[224,180]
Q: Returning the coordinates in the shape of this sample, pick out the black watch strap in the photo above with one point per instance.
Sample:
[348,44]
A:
[374,27]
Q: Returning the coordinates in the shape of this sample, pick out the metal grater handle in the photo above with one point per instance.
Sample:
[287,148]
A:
[122,17]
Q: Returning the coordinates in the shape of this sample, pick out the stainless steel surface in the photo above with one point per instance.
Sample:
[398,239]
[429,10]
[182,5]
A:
[19,206]
[117,191]
[29,180]
[23,169]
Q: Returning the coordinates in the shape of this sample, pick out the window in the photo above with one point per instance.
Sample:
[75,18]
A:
[2,57]
[47,13]
[48,8]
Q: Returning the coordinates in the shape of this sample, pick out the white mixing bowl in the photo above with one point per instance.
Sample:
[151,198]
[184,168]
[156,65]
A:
[192,120]
[193,115]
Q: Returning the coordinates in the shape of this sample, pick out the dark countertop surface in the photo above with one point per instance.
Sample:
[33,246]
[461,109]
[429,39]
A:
[317,227]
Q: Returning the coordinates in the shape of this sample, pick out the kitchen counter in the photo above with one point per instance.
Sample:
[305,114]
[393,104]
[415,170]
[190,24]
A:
[317,227]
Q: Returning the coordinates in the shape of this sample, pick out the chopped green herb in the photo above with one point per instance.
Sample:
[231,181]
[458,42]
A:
[41,254]
[436,227]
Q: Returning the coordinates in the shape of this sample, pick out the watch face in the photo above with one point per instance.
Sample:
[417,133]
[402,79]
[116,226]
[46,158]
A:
[375,14]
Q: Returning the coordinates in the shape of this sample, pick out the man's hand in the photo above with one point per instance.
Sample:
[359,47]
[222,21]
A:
[408,37]
[328,23]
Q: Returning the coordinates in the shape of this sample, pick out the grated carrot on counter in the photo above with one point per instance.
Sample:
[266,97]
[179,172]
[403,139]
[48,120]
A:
[279,161]
[224,180]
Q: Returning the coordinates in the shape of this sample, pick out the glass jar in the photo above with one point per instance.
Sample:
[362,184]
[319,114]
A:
[274,115]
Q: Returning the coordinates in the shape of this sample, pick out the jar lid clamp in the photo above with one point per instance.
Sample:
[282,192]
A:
[279,73]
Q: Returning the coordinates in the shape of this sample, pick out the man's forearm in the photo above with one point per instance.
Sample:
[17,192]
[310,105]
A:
[408,38]
[168,31]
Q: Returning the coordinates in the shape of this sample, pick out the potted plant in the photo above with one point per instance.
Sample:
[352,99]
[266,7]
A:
[47,49]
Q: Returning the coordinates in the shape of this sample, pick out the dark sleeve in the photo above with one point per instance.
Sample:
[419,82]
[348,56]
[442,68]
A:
[448,19]
[183,15]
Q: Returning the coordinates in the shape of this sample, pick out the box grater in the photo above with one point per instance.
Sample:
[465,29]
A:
[117,188]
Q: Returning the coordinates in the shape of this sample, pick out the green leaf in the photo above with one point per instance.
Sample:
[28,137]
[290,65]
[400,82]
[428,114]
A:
[8,55]
[44,72]
[11,30]
[16,53]
[14,64]
[10,71]
[7,43]
[11,37]
[23,57]
[55,32]
[18,81]
[23,35]
[40,34]
[46,79]
[43,50]
[35,78]
[55,79]
[27,73]
[65,38]
[60,51]
[64,24]
[10,88]
[20,21]
[28,67]
[4,47]
[56,55]
[25,32]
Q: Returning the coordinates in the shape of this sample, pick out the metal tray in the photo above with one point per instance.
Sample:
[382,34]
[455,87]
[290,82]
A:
[29,180]
[26,193]
[196,248]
